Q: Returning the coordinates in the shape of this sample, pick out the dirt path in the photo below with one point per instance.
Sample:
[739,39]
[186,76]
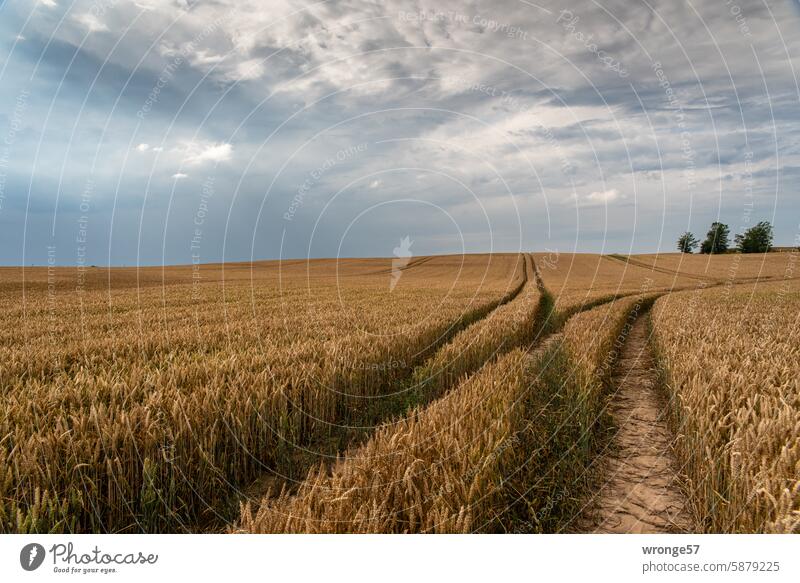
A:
[639,491]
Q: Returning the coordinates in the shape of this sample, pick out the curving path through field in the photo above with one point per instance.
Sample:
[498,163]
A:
[639,488]
[394,405]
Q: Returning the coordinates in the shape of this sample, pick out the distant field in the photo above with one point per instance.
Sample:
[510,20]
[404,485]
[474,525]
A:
[734,267]
[578,280]
[428,394]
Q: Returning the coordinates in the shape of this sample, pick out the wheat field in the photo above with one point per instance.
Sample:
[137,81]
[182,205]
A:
[148,405]
[460,393]
[731,360]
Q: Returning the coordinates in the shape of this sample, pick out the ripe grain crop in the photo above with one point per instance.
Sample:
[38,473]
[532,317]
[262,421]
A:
[447,467]
[145,408]
[550,480]
[579,281]
[509,326]
[731,367]
[437,470]
[734,267]
[147,400]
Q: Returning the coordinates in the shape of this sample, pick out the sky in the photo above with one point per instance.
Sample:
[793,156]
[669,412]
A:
[148,132]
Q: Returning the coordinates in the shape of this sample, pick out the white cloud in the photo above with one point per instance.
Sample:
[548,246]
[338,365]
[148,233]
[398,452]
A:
[20,38]
[197,153]
[180,176]
[144,4]
[48,3]
[158,149]
[375,183]
[143,147]
[249,70]
[205,57]
[91,22]
[603,195]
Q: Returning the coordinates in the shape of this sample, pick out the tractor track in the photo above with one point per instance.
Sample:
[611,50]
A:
[639,484]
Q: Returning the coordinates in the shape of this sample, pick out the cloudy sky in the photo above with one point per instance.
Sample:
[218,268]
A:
[162,131]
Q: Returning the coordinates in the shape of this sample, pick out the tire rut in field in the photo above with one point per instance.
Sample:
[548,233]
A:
[639,489]
[666,271]
[326,451]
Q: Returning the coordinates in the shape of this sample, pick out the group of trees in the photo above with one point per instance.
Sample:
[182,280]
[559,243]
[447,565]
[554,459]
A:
[756,239]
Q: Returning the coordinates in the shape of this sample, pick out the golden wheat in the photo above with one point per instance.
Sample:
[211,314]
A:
[434,471]
[579,281]
[731,267]
[550,475]
[144,400]
[507,327]
[444,467]
[141,408]
[732,364]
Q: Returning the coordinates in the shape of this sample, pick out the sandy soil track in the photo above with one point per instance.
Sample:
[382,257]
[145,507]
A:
[639,488]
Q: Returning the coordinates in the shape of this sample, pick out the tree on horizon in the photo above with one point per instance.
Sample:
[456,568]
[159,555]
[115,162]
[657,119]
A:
[687,243]
[716,239]
[756,239]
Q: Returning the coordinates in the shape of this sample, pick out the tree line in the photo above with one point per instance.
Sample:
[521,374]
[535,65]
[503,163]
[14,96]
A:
[756,239]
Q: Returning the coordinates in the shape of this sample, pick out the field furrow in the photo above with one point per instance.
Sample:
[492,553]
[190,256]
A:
[639,480]
[447,467]
[511,324]
[515,324]
[551,480]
